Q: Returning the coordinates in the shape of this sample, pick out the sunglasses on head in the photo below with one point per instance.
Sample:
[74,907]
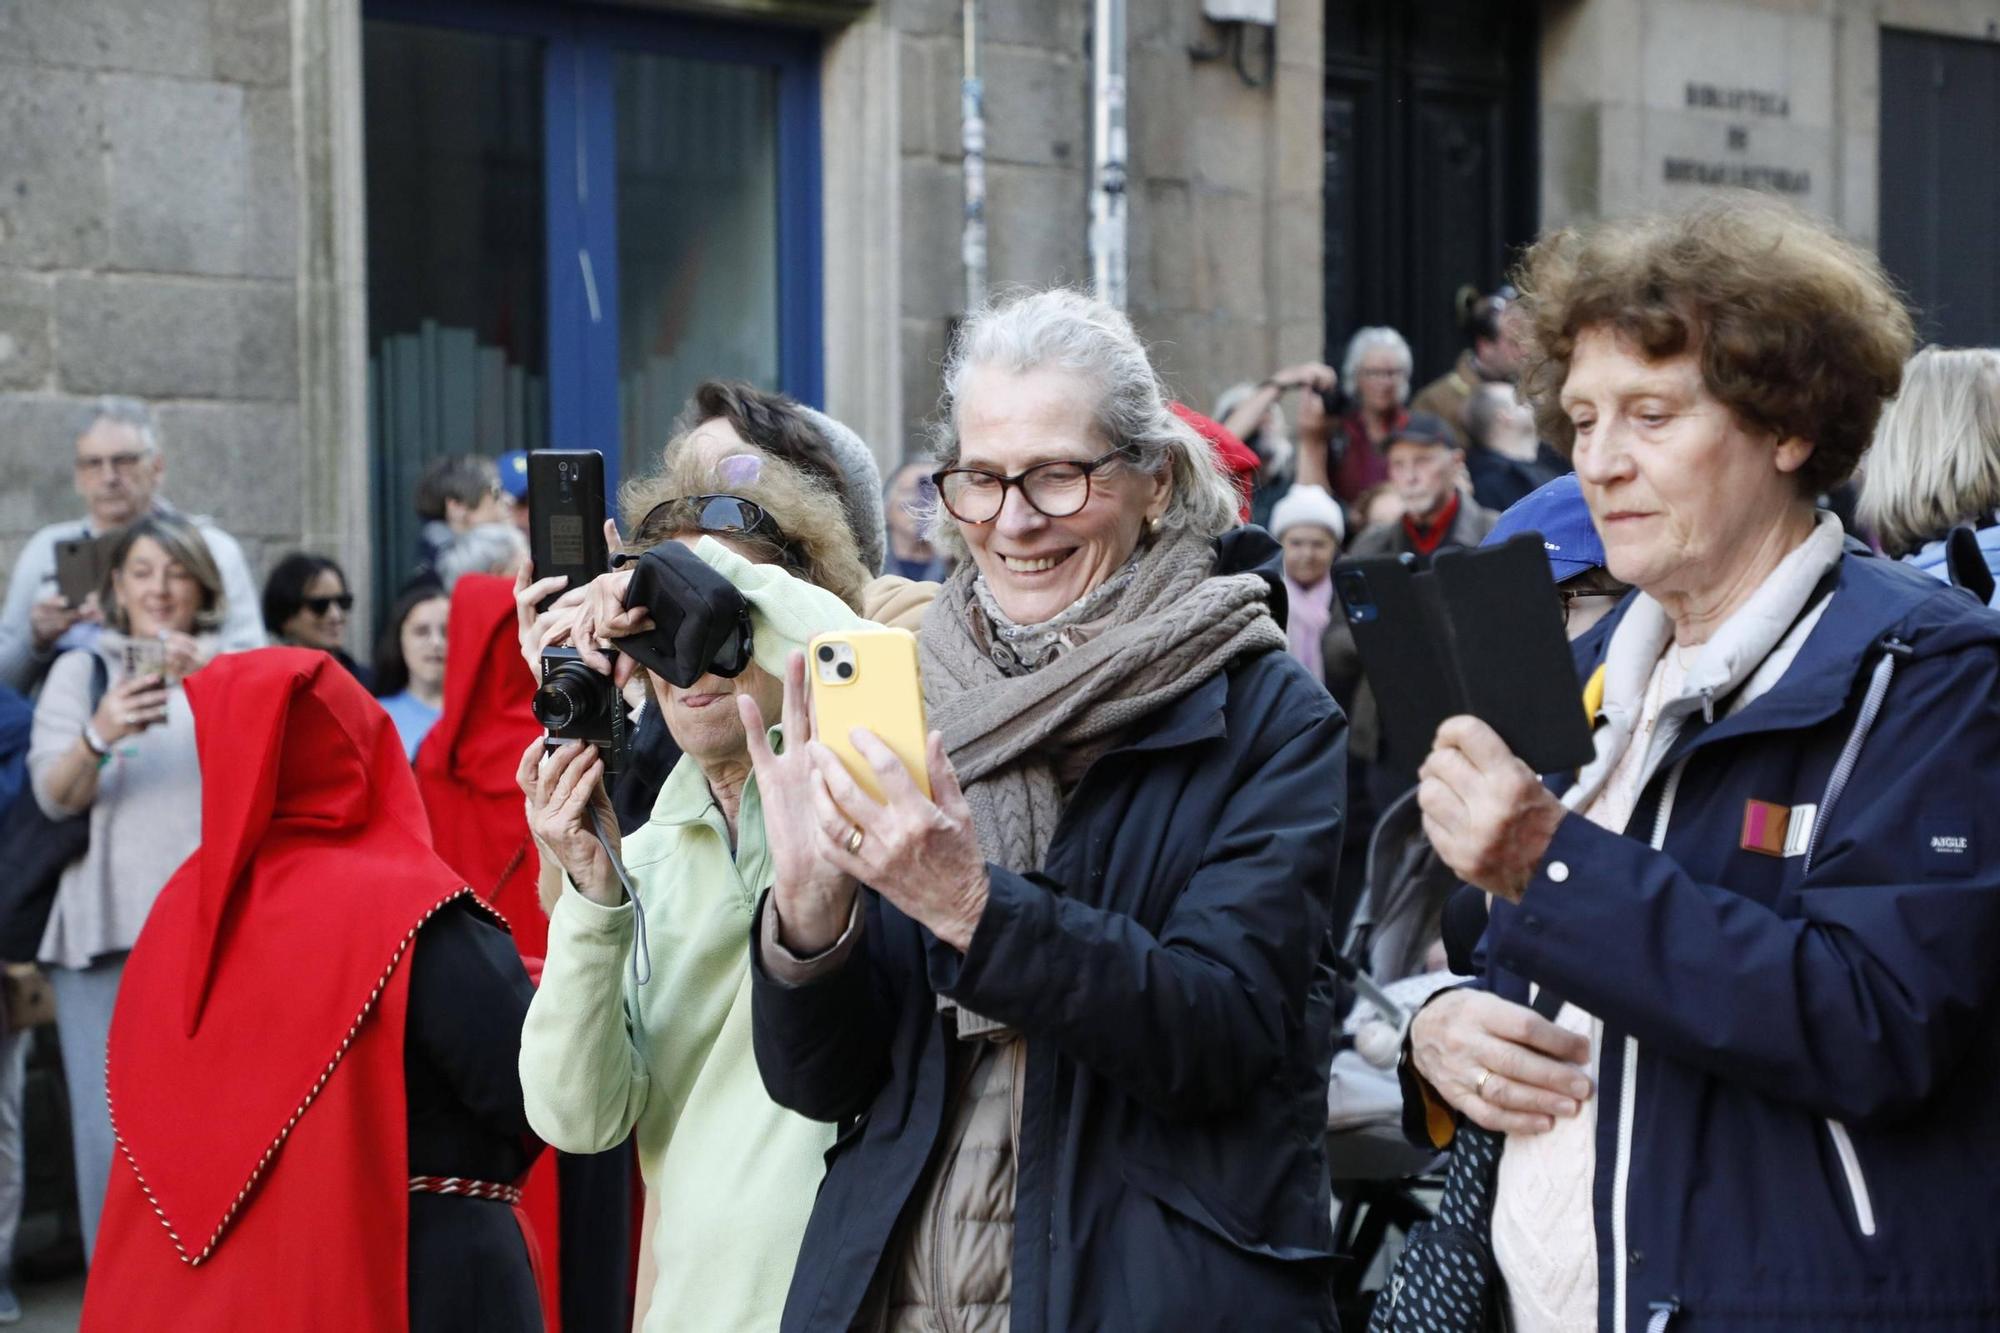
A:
[722,515]
[319,606]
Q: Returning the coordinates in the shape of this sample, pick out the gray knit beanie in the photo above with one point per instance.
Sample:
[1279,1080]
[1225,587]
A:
[863,487]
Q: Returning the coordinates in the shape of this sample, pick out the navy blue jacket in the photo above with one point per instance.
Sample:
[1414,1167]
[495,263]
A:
[1799,1115]
[1169,965]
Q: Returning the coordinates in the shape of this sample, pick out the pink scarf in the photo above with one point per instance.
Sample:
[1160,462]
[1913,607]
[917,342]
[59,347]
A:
[1311,610]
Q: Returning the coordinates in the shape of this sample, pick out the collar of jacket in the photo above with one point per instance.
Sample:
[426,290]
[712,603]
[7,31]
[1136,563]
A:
[1873,597]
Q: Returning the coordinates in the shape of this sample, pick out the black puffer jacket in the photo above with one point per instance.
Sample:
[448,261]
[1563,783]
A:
[1169,967]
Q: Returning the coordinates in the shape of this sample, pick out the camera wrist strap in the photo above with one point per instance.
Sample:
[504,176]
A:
[642,958]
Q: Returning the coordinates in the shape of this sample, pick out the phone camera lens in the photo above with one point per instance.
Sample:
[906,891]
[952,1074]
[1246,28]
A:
[845,671]
[826,652]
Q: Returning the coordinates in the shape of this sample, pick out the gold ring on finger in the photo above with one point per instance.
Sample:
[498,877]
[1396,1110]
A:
[854,840]
[1479,1084]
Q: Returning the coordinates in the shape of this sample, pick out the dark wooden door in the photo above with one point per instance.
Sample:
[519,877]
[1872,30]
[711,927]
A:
[1940,204]
[1430,162]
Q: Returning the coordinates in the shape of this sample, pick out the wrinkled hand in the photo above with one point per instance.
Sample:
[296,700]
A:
[185,654]
[1487,814]
[561,786]
[130,706]
[535,629]
[921,854]
[601,617]
[50,618]
[1500,1064]
[812,896]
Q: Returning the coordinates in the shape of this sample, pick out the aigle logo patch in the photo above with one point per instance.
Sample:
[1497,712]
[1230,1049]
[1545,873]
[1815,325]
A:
[1944,845]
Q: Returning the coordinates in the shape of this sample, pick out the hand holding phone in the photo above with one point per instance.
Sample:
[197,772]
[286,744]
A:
[868,678]
[130,707]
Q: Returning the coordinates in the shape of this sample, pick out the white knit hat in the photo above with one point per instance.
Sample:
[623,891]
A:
[1308,504]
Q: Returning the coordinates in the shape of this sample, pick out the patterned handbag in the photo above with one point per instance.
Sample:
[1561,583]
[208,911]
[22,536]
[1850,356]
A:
[1445,1281]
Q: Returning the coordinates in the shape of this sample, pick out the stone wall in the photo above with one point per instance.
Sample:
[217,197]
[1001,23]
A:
[1646,102]
[148,246]
[1224,236]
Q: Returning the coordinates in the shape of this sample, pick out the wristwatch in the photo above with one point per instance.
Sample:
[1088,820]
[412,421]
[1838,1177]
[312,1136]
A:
[95,743]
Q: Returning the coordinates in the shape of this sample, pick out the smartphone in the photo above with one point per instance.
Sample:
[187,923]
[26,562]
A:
[868,678]
[566,516]
[1480,632]
[81,566]
[144,657]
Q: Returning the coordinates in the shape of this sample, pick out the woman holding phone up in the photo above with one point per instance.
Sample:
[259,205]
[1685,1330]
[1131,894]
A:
[127,762]
[1077,1033]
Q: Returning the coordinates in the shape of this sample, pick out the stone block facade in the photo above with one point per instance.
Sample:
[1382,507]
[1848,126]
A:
[149,247]
[182,215]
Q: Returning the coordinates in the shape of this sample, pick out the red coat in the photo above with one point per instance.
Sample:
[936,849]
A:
[255,1065]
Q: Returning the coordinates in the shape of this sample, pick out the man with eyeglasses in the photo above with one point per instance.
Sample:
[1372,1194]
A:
[118,467]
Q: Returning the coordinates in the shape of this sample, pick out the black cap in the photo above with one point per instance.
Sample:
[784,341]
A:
[1422,428]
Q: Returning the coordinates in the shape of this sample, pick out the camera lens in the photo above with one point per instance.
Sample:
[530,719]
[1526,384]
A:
[571,697]
[556,706]
[845,671]
[826,652]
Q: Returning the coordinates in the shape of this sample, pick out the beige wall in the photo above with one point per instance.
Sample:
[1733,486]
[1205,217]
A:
[1645,101]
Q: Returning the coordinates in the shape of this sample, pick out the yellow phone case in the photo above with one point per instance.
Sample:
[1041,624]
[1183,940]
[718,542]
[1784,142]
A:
[868,678]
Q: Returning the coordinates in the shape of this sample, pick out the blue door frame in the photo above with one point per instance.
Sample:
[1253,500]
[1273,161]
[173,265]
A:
[579,116]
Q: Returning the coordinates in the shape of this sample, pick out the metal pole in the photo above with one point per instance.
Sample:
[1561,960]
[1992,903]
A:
[972,143]
[1108,196]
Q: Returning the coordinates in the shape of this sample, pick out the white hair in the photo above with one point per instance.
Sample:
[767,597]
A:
[1936,457]
[1368,340]
[1068,330]
[490,548]
[130,413]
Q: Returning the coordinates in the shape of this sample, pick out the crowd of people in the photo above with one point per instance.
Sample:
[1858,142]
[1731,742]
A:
[693,1023]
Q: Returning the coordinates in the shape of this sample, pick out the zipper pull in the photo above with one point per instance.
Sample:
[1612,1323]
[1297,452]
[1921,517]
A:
[1663,1314]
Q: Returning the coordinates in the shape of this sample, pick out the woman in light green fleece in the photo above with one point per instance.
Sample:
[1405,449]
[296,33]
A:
[733,1174]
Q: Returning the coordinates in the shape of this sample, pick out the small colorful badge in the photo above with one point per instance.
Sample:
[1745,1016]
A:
[1765,827]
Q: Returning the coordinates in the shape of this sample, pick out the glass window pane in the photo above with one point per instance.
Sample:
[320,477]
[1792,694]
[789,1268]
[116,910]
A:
[697,237]
[457,338]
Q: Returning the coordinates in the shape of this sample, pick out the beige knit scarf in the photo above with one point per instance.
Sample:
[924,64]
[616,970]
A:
[1174,626]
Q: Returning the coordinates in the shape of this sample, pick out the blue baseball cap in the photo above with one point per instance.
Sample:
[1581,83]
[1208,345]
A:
[514,473]
[1557,512]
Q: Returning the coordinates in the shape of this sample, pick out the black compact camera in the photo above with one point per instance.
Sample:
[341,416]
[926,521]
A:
[577,704]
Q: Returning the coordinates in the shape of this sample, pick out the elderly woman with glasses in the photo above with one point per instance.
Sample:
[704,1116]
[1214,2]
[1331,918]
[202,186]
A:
[1072,1014]
[608,1049]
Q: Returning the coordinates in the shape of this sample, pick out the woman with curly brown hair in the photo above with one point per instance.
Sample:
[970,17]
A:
[1754,1088]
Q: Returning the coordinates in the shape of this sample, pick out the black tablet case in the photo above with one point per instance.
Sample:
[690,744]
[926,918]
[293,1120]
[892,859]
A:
[1480,632]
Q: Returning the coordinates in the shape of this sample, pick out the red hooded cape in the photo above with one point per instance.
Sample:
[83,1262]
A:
[465,766]
[255,1067]
[465,769]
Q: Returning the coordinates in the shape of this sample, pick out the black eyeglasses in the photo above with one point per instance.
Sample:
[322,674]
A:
[319,606]
[1571,596]
[723,515]
[1054,490]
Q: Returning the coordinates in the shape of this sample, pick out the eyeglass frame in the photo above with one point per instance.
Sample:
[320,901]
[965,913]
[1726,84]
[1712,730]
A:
[1570,596]
[124,461]
[1019,479]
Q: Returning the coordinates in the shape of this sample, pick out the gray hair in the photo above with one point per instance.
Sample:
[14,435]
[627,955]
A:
[131,413]
[1368,340]
[1068,330]
[490,548]
[1936,457]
